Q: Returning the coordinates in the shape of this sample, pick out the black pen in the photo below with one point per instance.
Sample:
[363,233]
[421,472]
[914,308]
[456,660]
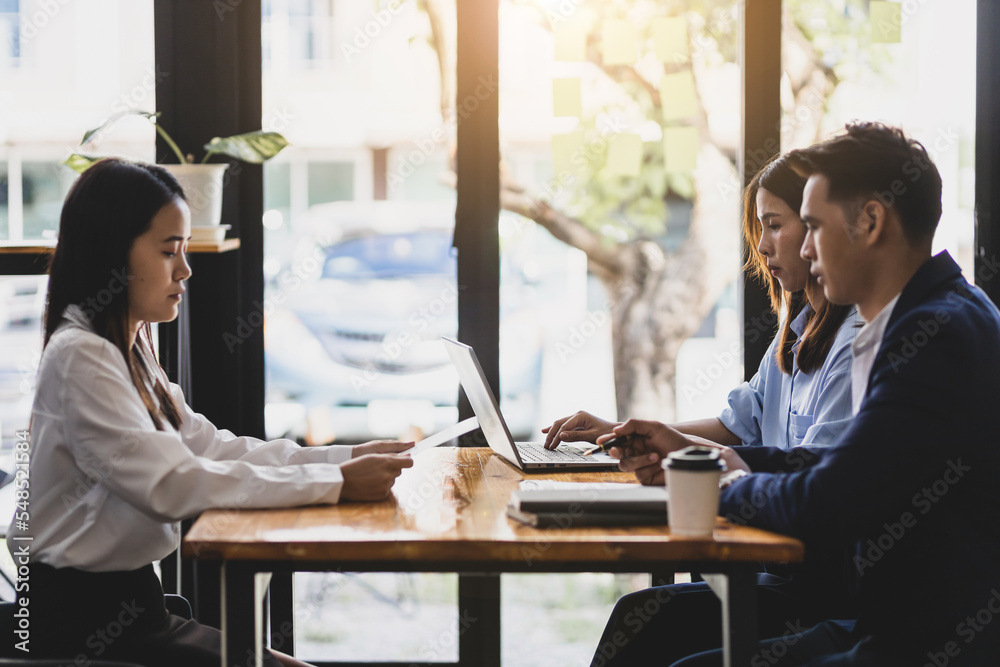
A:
[619,441]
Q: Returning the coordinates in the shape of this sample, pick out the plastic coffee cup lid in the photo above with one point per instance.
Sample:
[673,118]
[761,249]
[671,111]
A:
[695,457]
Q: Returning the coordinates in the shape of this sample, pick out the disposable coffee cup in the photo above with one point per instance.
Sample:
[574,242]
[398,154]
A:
[693,482]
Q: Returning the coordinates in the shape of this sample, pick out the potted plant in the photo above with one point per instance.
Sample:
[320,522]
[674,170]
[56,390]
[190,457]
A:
[202,182]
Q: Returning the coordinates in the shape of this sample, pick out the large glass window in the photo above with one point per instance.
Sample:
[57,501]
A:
[10,33]
[330,181]
[43,188]
[619,122]
[617,127]
[915,69]
[297,33]
[22,300]
[359,266]
[72,85]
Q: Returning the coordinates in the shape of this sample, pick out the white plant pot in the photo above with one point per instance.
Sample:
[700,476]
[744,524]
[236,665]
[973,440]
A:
[202,185]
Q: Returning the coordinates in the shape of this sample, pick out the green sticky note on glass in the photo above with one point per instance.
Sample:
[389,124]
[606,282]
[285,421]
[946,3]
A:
[887,20]
[680,149]
[625,155]
[566,100]
[677,95]
[571,42]
[567,152]
[619,42]
[670,39]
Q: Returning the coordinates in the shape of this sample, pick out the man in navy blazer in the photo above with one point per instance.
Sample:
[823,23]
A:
[913,487]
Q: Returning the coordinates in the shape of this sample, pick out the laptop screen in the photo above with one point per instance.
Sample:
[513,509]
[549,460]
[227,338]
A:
[470,373]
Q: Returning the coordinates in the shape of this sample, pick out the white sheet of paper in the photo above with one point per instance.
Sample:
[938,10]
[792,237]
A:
[441,437]
[571,486]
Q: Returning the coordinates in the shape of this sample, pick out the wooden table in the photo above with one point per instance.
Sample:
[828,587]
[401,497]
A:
[447,514]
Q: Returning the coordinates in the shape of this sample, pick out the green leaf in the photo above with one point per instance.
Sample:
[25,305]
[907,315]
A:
[79,163]
[253,147]
[114,119]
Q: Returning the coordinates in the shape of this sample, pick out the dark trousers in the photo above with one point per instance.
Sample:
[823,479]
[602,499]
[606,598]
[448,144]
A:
[829,644]
[83,616]
[661,625]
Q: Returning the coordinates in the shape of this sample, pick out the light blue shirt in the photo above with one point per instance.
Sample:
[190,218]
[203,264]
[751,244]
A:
[780,410]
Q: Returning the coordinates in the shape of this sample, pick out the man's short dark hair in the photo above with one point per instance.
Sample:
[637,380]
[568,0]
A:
[872,160]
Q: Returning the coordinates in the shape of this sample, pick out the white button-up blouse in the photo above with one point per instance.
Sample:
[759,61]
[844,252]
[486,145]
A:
[107,489]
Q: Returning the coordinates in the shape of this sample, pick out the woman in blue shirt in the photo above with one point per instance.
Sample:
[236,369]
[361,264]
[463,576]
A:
[801,395]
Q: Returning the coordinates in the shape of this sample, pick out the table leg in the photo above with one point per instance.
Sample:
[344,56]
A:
[737,590]
[282,613]
[479,620]
[239,611]
[663,577]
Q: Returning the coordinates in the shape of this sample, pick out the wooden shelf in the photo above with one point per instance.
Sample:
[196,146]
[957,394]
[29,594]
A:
[32,248]
[214,246]
[39,248]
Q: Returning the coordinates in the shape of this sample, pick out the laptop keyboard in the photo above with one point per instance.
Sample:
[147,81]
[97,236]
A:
[535,452]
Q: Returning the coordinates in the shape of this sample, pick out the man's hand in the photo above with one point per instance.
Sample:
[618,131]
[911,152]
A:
[371,477]
[581,427]
[650,442]
[727,454]
[380,447]
[733,460]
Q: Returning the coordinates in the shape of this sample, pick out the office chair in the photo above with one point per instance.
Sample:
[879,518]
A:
[175,605]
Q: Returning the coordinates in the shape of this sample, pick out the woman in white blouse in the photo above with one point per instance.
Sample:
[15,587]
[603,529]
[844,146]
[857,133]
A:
[118,457]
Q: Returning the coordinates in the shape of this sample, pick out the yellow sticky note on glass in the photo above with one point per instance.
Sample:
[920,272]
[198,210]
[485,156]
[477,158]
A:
[566,100]
[566,152]
[680,148]
[670,39]
[625,155]
[677,95]
[619,42]
[571,42]
[887,19]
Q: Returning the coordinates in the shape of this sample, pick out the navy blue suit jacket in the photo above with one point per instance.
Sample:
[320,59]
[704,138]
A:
[912,490]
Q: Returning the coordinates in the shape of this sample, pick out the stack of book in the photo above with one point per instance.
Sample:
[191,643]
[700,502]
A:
[575,505]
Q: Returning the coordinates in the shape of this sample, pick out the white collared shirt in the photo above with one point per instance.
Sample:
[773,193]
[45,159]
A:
[865,348]
[107,488]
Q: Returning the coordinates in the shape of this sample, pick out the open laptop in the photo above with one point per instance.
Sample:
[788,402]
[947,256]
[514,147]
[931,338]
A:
[527,456]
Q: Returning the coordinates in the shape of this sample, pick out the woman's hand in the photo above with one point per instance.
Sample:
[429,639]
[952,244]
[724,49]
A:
[371,477]
[380,447]
[581,427]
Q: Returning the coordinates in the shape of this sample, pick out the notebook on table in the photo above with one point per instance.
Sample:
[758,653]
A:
[573,505]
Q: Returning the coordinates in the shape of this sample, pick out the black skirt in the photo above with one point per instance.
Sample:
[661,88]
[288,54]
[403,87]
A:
[87,616]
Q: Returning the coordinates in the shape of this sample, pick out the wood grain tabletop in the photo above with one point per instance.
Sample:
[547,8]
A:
[449,510]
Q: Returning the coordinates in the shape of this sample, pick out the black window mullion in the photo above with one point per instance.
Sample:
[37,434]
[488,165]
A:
[477,214]
[208,63]
[478,186]
[760,64]
[987,260]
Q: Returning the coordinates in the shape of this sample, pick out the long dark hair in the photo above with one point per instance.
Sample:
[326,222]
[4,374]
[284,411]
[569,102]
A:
[778,177]
[110,205]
